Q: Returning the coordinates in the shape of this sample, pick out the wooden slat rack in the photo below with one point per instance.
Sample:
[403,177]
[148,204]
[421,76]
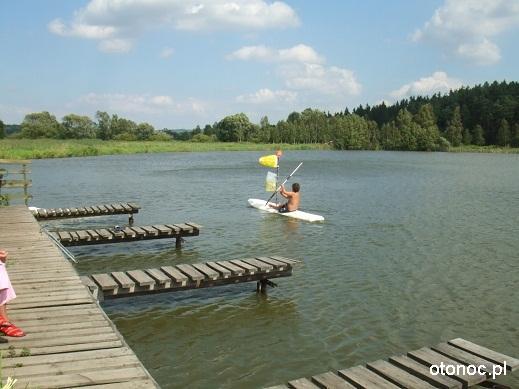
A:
[189,276]
[127,234]
[69,342]
[8,186]
[413,370]
[87,211]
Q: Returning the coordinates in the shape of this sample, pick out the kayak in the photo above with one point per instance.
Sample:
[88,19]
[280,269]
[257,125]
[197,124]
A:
[261,205]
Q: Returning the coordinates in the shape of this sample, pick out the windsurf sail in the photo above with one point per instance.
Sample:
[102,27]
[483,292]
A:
[271,182]
[269,161]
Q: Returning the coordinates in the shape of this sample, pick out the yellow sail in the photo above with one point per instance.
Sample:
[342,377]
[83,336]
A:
[269,161]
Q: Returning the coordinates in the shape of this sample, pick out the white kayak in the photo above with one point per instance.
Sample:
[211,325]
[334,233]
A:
[309,217]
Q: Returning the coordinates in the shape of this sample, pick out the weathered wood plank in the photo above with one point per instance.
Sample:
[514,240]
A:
[141,278]
[123,279]
[203,268]
[178,276]
[397,376]
[191,272]
[105,281]
[429,357]
[331,380]
[225,273]
[423,372]
[363,377]
[483,352]
[302,383]
[236,270]
[159,276]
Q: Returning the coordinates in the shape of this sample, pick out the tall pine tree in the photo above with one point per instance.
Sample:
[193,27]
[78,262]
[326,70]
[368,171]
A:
[454,131]
[477,136]
[503,134]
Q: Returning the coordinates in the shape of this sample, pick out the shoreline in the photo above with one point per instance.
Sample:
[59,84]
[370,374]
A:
[18,149]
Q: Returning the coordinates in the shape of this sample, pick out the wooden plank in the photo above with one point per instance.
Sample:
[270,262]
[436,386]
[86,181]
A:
[397,376]
[463,356]
[135,206]
[179,277]
[141,278]
[94,235]
[150,230]
[139,231]
[184,228]
[429,357]
[331,380]
[225,273]
[176,230]
[64,236]
[190,271]
[203,268]
[117,207]
[365,378]
[302,383]
[126,207]
[15,183]
[236,270]
[194,225]
[163,230]
[84,236]
[129,232]
[250,269]
[278,265]
[483,352]
[105,281]
[264,267]
[104,233]
[123,279]
[159,276]
[284,259]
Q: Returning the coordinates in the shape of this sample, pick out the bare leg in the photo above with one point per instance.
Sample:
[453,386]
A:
[3,312]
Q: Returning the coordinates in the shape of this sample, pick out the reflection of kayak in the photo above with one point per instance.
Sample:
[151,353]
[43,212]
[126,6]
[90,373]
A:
[261,205]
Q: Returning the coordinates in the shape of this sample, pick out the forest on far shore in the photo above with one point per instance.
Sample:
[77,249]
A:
[486,114]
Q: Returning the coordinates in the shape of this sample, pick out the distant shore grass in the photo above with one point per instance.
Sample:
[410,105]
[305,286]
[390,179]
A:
[56,148]
[484,149]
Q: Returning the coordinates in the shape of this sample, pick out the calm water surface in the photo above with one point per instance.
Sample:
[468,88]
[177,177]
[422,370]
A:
[416,248]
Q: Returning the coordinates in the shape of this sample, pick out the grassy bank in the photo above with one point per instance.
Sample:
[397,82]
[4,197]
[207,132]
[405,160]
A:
[53,148]
[484,149]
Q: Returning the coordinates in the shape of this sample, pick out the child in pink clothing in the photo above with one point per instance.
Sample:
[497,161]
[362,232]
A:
[6,295]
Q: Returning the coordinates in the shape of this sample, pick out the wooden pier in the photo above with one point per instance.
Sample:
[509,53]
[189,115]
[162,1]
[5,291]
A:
[87,211]
[127,234]
[185,276]
[413,370]
[70,341]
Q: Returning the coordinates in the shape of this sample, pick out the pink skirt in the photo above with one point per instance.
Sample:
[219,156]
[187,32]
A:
[6,289]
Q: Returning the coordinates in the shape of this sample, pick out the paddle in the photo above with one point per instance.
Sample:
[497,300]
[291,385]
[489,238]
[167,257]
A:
[279,187]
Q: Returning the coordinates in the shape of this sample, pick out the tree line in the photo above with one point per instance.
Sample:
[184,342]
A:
[486,114]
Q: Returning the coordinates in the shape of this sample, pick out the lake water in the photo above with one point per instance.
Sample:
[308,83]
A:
[417,248]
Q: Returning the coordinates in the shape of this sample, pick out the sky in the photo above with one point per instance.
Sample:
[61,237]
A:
[182,63]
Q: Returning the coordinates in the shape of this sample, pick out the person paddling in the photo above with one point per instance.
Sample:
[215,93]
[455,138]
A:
[293,197]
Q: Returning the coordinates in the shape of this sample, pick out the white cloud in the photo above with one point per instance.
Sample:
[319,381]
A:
[166,52]
[141,103]
[115,45]
[326,80]
[464,27]
[124,20]
[299,53]
[437,82]
[267,96]
[302,68]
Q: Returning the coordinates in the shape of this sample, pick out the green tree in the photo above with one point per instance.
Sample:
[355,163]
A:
[428,135]
[234,128]
[454,133]
[408,130]
[515,136]
[477,136]
[503,134]
[467,137]
[2,130]
[75,126]
[40,125]
[104,125]
[144,131]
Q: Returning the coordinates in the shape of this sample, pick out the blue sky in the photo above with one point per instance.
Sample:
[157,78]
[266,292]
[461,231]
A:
[179,63]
